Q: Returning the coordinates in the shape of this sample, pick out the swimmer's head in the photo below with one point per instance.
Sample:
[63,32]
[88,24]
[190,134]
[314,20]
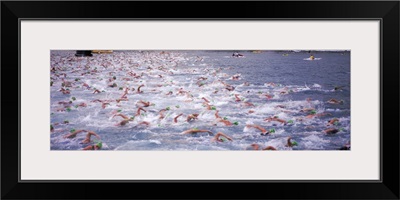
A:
[99,145]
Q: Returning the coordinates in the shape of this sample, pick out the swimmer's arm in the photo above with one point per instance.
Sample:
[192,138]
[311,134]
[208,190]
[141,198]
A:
[90,147]
[204,131]
[73,134]
[93,133]
[216,115]
[223,135]
[176,118]
[269,148]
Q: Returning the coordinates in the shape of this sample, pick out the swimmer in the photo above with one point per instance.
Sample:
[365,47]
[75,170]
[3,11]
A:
[314,114]
[206,100]
[66,83]
[338,88]
[207,105]
[236,77]
[263,130]
[86,85]
[161,113]
[138,111]
[257,147]
[64,91]
[333,121]
[96,146]
[87,139]
[237,98]
[96,91]
[221,137]
[269,148]
[82,104]
[176,118]
[146,123]
[138,90]
[220,119]
[192,117]
[202,79]
[347,146]
[331,131]
[73,134]
[335,101]
[275,118]
[181,91]
[248,104]
[124,94]
[144,104]
[307,110]
[290,143]
[65,103]
[104,104]
[124,121]
[269,96]
[113,85]
[195,130]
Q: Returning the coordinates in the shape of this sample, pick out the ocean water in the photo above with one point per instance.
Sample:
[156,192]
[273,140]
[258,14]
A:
[279,84]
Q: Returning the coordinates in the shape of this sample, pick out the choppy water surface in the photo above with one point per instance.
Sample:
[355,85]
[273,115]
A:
[284,85]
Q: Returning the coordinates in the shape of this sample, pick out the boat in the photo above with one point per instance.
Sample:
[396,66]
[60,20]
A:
[102,51]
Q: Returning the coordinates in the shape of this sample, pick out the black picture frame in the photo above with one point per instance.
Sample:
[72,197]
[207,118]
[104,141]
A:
[386,11]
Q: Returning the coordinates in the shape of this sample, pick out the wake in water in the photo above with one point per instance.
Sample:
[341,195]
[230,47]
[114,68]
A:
[156,100]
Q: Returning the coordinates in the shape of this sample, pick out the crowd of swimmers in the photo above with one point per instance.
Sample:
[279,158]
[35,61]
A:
[58,74]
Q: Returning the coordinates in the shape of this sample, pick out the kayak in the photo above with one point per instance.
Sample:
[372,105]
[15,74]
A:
[312,59]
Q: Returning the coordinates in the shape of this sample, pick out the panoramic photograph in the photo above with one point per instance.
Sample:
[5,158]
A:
[200,100]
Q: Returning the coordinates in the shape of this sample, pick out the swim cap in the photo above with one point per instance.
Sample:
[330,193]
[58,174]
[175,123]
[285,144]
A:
[313,112]
[272,130]
[294,143]
[290,121]
[99,144]
[236,123]
[72,130]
